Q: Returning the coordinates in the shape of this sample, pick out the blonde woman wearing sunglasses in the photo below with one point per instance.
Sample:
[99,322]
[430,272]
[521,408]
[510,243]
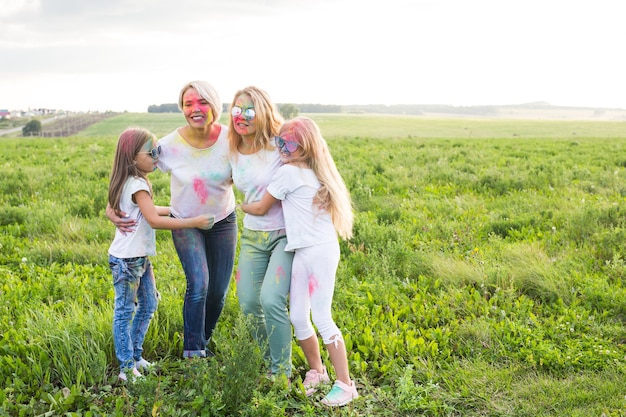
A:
[264,268]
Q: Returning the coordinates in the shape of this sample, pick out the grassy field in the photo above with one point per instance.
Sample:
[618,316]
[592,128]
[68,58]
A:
[485,278]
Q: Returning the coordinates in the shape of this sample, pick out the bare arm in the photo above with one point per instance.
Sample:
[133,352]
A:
[259,208]
[163,210]
[157,220]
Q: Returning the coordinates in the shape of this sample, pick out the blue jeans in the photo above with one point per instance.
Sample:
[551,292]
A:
[133,282]
[207,257]
[263,282]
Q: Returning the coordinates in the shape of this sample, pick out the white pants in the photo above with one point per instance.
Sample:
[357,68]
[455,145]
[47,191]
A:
[312,286]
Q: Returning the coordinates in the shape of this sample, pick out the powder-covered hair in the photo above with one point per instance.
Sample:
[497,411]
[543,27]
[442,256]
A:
[129,144]
[267,121]
[207,92]
[333,195]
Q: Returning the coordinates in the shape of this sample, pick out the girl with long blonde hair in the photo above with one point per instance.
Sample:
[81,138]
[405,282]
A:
[317,209]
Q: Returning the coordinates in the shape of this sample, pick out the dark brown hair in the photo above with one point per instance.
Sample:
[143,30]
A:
[129,144]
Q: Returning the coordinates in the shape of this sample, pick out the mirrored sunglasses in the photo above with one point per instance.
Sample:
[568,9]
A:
[247,114]
[285,145]
[154,152]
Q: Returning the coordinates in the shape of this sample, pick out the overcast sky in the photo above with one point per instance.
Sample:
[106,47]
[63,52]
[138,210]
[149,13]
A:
[128,54]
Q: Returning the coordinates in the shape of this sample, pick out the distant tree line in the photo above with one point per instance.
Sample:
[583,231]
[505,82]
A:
[163,108]
[319,108]
[289,110]
[289,107]
[419,109]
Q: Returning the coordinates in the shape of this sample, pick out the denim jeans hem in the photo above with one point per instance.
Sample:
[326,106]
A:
[127,367]
[194,354]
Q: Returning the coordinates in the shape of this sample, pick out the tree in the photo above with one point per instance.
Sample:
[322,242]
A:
[32,128]
[289,111]
[164,108]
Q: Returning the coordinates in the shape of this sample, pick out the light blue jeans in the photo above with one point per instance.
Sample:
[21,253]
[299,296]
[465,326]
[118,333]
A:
[263,281]
[208,258]
[136,300]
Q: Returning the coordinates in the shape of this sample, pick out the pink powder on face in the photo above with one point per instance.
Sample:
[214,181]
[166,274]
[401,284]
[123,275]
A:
[194,103]
[313,284]
[201,190]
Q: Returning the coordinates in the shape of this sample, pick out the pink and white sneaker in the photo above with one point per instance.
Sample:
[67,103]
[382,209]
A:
[312,379]
[340,394]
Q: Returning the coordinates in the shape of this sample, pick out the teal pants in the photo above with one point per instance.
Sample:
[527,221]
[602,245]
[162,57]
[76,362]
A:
[263,281]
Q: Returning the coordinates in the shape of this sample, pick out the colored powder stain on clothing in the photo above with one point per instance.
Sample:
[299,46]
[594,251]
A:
[260,238]
[280,274]
[201,190]
[237,276]
[313,284]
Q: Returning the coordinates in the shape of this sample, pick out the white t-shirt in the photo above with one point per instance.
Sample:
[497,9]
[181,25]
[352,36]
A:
[305,225]
[201,179]
[142,241]
[251,174]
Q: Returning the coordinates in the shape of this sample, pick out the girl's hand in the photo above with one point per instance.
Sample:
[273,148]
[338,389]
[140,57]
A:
[206,221]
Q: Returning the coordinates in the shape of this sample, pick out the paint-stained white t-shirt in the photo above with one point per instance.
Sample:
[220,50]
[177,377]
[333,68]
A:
[305,224]
[201,179]
[251,174]
[142,241]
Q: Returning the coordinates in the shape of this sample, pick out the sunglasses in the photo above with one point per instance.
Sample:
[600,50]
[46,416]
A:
[154,152]
[285,145]
[248,113]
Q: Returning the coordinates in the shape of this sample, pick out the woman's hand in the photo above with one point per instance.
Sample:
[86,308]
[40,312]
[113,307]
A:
[121,222]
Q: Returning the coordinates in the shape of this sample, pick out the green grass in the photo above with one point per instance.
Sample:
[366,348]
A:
[390,126]
[486,277]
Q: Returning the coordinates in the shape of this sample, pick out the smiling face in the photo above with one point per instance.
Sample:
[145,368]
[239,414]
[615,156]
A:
[243,123]
[196,109]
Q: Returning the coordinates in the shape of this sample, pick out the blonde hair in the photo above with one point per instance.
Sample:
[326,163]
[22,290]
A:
[207,92]
[267,121]
[333,195]
[129,144]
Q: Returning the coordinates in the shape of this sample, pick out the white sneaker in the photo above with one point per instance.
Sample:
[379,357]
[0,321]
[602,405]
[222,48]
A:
[135,374]
[143,364]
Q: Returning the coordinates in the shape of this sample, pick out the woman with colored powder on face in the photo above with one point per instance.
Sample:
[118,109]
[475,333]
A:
[264,267]
[197,158]
[317,208]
